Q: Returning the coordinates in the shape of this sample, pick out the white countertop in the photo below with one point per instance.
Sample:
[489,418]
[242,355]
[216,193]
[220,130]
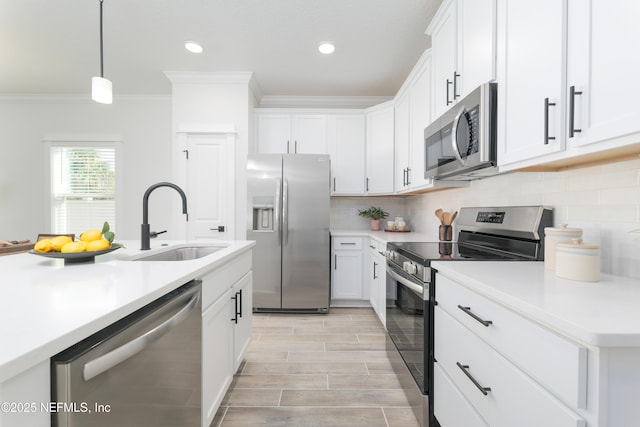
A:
[384,236]
[47,306]
[604,314]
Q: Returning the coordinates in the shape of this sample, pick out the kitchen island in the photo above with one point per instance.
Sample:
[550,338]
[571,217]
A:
[563,350]
[47,306]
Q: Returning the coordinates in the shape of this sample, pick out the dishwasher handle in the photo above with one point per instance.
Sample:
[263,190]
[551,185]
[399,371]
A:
[107,361]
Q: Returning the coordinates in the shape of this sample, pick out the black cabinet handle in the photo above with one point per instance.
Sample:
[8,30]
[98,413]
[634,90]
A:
[235,316]
[455,85]
[240,303]
[475,316]
[375,264]
[367,184]
[334,184]
[408,176]
[547,104]
[465,369]
[448,83]
[287,146]
[572,110]
[295,147]
[335,261]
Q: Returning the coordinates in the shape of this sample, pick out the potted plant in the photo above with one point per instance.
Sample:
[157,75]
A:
[376,214]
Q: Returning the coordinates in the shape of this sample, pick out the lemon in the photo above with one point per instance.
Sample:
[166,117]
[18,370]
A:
[74,247]
[58,242]
[91,235]
[98,245]
[43,246]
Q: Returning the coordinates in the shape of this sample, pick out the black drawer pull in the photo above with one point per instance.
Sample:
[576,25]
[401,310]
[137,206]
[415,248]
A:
[464,368]
[475,316]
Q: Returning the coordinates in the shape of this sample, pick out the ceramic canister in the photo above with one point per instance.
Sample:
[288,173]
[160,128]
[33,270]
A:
[578,261]
[555,235]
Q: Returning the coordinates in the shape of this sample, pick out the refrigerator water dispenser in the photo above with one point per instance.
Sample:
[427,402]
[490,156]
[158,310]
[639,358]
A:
[263,214]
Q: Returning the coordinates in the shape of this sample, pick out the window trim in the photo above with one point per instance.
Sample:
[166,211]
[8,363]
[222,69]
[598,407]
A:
[70,140]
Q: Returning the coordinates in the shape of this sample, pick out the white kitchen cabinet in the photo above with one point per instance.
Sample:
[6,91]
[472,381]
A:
[347,141]
[420,118]
[380,149]
[242,305]
[217,352]
[286,132]
[23,397]
[603,72]
[529,74]
[226,296]
[463,40]
[376,278]
[347,269]
[402,141]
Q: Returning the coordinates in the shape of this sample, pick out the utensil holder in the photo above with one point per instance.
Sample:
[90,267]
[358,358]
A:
[445,233]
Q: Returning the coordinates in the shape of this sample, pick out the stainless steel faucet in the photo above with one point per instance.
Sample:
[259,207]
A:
[146,234]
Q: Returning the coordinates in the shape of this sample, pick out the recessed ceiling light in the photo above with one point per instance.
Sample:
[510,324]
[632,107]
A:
[326,48]
[193,47]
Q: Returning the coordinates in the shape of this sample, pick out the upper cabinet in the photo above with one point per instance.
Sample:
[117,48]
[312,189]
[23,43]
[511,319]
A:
[530,68]
[602,72]
[380,154]
[412,115]
[281,132]
[569,90]
[346,138]
[463,40]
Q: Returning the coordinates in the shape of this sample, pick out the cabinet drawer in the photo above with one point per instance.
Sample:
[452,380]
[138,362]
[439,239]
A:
[375,246]
[557,363]
[347,243]
[501,393]
[450,407]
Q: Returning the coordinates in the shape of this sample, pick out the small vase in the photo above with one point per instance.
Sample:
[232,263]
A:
[375,225]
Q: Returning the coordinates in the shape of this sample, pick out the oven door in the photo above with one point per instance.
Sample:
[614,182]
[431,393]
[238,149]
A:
[407,317]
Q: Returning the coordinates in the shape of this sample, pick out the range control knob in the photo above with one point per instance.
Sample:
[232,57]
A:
[409,267]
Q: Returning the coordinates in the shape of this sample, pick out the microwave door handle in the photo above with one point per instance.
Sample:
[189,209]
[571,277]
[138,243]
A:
[454,132]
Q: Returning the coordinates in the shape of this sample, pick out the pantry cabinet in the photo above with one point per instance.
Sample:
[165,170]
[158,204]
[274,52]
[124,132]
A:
[347,150]
[463,40]
[294,133]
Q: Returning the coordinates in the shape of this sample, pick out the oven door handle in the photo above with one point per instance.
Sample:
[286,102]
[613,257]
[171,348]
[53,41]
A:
[409,284]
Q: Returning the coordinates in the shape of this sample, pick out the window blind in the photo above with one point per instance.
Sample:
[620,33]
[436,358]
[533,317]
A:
[82,188]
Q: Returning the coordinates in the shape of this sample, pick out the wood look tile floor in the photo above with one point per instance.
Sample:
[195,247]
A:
[315,371]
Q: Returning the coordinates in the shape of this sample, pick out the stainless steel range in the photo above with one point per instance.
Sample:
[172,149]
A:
[484,234]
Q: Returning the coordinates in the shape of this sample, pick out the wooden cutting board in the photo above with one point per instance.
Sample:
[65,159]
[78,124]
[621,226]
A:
[8,247]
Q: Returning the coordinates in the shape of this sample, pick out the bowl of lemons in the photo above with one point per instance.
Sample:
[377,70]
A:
[92,243]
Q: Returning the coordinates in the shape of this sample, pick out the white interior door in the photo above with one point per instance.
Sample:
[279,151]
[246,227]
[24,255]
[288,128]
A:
[209,160]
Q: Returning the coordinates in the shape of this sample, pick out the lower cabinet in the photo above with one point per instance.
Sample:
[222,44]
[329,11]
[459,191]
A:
[243,293]
[346,269]
[376,279]
[23,397]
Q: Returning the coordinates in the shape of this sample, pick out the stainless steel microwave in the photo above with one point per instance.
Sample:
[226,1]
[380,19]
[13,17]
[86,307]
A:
[461,144]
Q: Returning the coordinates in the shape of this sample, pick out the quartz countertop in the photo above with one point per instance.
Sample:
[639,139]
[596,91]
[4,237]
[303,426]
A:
[384,236]
[47,306]
[603,314]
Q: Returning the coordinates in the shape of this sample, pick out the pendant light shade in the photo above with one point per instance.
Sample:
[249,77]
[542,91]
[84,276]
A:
[101,88]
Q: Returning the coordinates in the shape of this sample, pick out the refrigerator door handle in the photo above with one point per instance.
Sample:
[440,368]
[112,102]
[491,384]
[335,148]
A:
[285,211]
[278,210]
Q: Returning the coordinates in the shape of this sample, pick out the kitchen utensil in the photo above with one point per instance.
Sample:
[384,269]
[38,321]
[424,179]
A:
[453,217]
[439,214]
[553,236]
[445,233]
[578,261]
[446,218]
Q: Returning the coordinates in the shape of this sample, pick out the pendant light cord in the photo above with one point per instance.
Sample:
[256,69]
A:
[101,55]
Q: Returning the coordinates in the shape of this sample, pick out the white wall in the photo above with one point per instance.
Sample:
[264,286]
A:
[144,123]
[602,200]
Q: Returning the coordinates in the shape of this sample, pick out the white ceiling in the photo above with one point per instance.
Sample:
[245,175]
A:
[52,46]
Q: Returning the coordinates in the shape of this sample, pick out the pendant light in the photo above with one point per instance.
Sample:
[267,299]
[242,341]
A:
[101,90]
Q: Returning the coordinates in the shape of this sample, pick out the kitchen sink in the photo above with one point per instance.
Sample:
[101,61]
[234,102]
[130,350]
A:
[183,253]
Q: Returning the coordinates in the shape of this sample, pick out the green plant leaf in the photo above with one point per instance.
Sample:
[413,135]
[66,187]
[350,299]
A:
[105,227]
[109,235]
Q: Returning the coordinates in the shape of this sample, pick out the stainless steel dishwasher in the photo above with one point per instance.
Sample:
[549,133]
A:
[142,371]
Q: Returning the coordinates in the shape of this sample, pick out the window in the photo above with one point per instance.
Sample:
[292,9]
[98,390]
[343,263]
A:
[83,186]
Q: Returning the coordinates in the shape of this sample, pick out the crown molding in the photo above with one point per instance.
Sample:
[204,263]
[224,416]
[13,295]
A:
[74,99]
[322,101]
[209,77]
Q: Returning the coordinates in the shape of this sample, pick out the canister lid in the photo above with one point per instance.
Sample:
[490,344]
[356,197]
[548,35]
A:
[563,230]
[577,244]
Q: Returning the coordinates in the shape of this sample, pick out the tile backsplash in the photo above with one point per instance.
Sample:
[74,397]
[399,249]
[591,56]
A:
[603,200]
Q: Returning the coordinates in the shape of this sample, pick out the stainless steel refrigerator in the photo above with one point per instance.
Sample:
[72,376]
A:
[288,203]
